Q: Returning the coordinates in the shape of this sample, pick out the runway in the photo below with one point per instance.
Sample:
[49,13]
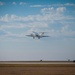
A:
[37,68]
[37,62]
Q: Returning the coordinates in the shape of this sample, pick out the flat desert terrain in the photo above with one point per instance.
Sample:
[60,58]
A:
[37,68]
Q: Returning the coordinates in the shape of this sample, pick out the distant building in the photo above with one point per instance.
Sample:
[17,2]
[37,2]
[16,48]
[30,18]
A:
[73,60]
[40,60]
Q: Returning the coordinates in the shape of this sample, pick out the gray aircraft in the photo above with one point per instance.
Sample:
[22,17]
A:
[37,35]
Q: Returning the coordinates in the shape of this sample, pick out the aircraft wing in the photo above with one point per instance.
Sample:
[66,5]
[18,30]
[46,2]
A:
[31,36]
[45,36]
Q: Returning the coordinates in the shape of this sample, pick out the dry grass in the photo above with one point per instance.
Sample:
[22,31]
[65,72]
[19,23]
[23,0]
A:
[37,69]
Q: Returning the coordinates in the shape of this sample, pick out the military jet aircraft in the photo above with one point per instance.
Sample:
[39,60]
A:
[37,35]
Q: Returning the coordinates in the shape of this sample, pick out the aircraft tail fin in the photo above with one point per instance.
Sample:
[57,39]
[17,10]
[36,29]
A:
[42,33]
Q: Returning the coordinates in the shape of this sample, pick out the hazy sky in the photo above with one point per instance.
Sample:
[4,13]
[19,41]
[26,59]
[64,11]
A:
[20,17]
